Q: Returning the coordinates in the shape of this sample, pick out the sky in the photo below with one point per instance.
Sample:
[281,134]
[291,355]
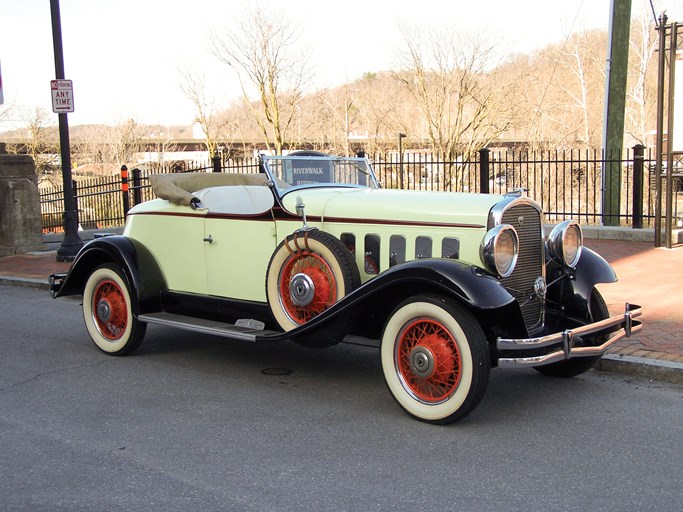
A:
[124,56]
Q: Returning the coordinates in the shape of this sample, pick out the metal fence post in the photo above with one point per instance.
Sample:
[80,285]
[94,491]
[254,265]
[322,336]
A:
[137,186]
[74,188]
[124,189]
[484,155]
[216,160]
[638,164]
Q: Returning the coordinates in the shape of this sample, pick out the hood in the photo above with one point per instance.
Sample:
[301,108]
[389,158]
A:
[405,206]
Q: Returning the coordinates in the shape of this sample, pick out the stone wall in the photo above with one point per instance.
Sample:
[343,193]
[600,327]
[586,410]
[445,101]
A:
[20,223]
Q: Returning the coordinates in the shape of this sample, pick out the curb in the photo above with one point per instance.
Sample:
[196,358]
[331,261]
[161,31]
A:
[25,282]
[653,369]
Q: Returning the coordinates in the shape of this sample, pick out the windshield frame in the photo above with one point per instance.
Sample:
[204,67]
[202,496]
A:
[282,186]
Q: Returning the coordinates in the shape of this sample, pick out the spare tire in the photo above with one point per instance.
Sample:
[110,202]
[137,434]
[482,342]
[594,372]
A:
[308,272]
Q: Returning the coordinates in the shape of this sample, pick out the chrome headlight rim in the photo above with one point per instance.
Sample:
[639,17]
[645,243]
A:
[560,247]
[491,250]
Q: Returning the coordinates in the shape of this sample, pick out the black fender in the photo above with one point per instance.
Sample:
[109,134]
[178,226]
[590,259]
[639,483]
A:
[591,270]
[139,266]
[573,288]
[468,285]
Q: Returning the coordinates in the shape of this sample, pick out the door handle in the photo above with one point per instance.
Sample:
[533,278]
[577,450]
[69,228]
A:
[208,239]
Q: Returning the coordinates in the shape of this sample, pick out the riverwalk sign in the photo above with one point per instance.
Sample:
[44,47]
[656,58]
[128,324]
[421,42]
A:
[62,96]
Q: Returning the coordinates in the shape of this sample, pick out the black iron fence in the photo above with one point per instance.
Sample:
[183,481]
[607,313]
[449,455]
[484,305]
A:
[567,184]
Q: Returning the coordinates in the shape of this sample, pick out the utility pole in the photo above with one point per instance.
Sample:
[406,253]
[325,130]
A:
[71,243]
[615,105]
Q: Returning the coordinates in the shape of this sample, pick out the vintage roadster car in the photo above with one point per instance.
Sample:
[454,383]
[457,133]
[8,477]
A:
[312,249]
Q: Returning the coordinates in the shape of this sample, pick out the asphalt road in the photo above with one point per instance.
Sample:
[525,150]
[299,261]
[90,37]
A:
[191,422]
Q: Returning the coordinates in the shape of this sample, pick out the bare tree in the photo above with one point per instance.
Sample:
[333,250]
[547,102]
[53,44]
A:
[5,111]
[641,97]
[40,139]
[445,72]
[193,85]
[261,47]
[105,148]
[582,60]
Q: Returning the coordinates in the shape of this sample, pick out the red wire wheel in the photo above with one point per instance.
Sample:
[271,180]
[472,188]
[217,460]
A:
[110,309]
[435,358]
[307,286]
[428,360]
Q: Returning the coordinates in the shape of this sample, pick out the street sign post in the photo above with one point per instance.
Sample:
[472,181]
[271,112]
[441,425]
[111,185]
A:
[71,243]
[62,96]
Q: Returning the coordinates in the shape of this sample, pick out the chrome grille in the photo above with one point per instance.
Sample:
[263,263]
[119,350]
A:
[526,220]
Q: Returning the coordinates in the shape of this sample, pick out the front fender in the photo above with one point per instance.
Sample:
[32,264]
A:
[591,270]
[139,266]
[371,303]
[470,284]
[573,289]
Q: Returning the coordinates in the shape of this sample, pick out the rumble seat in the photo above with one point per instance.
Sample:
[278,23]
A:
[236,199]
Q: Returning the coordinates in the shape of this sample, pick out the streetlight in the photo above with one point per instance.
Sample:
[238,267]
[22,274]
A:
[401,136]
[71,243]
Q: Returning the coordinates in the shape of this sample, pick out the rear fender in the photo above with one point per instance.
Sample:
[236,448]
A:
[139,266]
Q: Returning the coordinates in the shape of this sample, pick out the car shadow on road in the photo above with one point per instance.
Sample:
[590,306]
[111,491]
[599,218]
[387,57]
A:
[517,397]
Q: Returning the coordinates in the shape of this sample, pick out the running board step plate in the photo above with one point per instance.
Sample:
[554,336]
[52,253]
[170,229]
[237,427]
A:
[205,326]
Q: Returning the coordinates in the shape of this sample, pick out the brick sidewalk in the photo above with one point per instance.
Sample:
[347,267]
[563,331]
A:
[32,265]
[653,278]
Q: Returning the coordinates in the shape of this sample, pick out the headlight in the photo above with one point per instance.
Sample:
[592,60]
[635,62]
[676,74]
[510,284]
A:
[565,242]
[500,248]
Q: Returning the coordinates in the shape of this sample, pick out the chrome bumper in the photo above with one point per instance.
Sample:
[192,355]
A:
[625,324]
[55,281]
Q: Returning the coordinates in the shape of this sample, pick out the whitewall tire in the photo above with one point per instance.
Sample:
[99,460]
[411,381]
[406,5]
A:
[108,314]
[435,359]
[307,273]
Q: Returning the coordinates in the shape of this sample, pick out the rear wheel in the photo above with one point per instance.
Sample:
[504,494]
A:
[435,359]
[578,365]
[107,312]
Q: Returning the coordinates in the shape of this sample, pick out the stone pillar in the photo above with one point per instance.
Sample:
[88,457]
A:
[20,223]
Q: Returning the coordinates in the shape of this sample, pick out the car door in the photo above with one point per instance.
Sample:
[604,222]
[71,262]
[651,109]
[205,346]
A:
[239,241]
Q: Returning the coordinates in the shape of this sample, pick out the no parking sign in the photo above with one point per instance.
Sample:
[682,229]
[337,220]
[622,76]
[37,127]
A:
[62,96]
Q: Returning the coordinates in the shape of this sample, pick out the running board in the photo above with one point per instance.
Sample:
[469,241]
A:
[243,330]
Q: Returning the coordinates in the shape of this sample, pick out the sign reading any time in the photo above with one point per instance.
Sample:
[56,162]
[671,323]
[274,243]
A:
[62,96]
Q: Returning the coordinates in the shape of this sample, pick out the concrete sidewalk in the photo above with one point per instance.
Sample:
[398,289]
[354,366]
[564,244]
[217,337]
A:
[648,276]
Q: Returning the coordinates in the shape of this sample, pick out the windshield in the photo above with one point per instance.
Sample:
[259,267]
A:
[316,171]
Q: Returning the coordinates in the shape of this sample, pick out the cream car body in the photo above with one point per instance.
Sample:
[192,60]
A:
[311,249]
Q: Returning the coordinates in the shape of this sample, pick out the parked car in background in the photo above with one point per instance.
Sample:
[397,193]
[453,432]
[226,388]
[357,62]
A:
[312,249]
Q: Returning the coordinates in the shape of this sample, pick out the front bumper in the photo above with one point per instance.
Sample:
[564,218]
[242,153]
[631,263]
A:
[619,326]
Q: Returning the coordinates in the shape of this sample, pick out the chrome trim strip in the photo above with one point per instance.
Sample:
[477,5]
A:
[507,202]
[566,339]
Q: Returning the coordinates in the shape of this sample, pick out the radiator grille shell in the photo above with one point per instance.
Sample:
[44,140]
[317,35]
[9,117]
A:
[525,217]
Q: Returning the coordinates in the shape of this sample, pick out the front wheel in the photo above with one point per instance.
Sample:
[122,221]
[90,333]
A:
[107,312]
[435,359]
